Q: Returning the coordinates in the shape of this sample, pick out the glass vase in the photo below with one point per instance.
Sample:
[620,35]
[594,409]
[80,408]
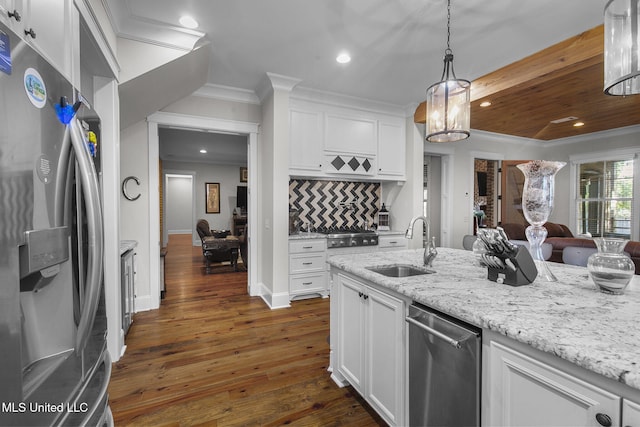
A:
[610,268]
[537,205]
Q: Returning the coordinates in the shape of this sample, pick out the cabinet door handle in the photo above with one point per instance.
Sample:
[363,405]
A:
[307,283]
[360,294]
[15,15]
[307,247]
[365,296]
[30,33]
[393,243]
[307,263]
[603,419]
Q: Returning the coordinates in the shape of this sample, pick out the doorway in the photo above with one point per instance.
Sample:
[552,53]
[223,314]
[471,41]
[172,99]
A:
[178,204]
[250,131]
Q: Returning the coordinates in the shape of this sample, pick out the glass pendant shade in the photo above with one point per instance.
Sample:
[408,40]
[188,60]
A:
[621,47]
[448,111]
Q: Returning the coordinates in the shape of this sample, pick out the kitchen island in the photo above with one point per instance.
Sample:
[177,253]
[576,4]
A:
[568,319]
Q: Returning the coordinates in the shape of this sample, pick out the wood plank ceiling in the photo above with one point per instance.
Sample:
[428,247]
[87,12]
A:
[564,80]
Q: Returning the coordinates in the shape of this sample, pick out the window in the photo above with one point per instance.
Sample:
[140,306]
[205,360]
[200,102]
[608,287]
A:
[605,204]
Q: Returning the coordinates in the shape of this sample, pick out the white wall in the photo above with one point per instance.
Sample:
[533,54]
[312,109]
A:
[178,204]
[134,221]
[228,176]
[134,224]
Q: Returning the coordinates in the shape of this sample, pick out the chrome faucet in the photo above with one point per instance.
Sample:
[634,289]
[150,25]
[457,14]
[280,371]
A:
[428,243]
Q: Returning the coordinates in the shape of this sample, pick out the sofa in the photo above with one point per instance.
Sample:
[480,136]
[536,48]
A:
[560,237]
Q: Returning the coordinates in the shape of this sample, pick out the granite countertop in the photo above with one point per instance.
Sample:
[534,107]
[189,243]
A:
[568,318]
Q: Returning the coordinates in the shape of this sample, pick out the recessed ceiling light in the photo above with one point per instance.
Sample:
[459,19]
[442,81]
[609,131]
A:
[188,22]
[343,58]
[203,151]
[485,103]
[578,124]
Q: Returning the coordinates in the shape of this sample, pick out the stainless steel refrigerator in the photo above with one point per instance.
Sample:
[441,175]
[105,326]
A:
[54,366]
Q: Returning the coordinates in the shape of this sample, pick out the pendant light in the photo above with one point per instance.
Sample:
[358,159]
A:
[621,47]
[448,101]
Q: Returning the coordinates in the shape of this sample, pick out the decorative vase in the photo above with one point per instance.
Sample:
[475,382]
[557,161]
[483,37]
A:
[537,205]
[610,268]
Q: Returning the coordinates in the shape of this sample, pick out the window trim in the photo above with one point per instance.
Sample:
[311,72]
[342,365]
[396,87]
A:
[618,154]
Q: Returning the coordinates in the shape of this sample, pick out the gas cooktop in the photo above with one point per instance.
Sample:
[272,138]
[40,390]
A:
[341,237]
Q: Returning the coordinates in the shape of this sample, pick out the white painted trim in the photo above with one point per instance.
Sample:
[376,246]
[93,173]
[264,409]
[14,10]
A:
[275,301]
[215,125]
[170,173]
[611,133]
[345,101]
[180,231]
[446,193]
[508,139]
[473,155]
[154,220]
[106,105]
[227,93]
[201,122]
[447,158]
[85,10]
[144,303]
[616,154]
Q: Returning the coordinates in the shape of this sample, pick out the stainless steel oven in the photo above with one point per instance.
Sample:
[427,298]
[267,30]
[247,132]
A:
[444,369]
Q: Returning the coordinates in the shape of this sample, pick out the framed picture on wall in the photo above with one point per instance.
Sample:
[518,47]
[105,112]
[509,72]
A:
[212,197]
[243,175]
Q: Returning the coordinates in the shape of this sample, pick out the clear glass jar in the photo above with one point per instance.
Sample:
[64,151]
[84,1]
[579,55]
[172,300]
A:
[610,268]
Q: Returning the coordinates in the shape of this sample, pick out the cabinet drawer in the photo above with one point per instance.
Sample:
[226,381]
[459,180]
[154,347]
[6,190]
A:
[311,245]
[398,241]
[307,263]
[307,283]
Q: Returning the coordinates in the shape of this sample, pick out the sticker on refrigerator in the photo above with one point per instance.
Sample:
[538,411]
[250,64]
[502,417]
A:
[35,88]
[5,53]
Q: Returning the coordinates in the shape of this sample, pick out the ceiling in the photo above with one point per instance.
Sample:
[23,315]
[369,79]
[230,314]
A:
[184,145]
[396,49]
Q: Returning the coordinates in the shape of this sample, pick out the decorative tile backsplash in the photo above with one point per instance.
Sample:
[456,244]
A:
[334,203]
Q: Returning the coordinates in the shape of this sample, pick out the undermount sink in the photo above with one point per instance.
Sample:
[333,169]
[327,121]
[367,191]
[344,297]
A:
[399,270]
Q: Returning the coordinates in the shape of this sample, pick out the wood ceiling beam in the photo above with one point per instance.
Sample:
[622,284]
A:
[564,58]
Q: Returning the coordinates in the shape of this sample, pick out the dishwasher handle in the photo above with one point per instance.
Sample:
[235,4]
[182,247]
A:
[455,343]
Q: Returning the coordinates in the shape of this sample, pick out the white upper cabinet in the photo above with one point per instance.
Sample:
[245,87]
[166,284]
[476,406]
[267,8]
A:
[332,142]
[49,28]
[305,140]
[391,149]
[11,14]
[46,25]
[350,135]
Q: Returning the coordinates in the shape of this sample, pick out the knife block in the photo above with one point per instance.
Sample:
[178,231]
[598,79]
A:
[524,273]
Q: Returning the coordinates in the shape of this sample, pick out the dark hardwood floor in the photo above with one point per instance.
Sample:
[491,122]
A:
[213,356]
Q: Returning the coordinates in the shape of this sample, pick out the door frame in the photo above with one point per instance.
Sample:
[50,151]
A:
[480,155]
[167,175]
[214,125]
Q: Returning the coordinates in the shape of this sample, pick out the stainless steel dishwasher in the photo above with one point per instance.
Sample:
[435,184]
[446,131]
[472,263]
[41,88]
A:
[444,369]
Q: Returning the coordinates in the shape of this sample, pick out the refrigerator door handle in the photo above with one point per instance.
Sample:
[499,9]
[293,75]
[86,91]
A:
[91,193]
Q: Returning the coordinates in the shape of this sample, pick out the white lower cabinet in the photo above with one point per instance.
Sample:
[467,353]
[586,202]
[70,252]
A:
[370,352]
[526,391]
[630,414]
[307,268]
[393,242]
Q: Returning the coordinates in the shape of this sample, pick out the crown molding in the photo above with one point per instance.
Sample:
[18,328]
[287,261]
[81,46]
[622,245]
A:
[227,93]
[141,29]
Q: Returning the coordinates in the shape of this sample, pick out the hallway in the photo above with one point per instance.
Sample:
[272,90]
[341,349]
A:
[211,355]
